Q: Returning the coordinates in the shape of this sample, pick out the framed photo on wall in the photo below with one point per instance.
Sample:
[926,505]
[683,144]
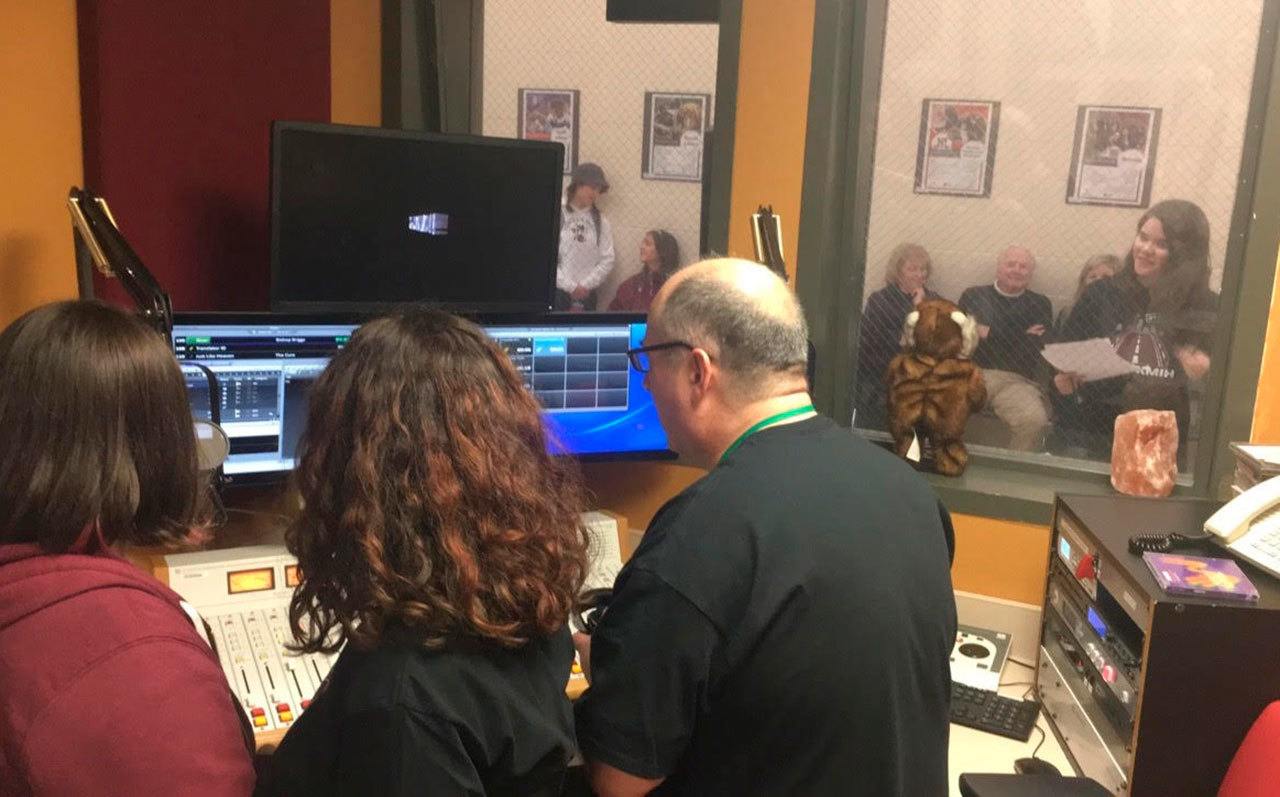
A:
[1114,156]
[675,126]
[550,115]
[956,153]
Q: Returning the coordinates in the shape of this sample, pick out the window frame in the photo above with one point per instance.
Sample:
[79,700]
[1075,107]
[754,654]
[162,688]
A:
[844,96]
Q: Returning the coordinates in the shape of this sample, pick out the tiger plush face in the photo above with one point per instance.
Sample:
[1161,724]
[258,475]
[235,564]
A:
[939,329]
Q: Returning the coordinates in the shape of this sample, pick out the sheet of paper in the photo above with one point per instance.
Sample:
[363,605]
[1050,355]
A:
[1266,454]
[1092,359]
[603,550]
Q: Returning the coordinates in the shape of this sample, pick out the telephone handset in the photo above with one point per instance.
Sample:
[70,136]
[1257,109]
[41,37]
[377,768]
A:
[1250,525]
[1235,519]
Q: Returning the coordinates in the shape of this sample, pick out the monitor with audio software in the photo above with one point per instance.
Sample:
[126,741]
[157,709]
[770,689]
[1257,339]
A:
[594,404]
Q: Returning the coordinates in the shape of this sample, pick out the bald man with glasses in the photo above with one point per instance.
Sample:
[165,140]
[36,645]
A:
[785,625]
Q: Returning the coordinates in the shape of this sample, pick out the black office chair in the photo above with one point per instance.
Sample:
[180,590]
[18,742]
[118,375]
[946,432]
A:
[1025,785]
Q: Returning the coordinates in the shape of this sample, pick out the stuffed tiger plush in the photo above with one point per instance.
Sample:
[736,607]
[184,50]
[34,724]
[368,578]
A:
[933,386]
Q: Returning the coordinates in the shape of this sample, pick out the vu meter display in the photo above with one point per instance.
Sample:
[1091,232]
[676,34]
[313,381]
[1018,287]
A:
[257,580]
[291,575]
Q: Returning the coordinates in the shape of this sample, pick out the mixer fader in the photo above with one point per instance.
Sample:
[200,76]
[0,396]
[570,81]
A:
[243,594]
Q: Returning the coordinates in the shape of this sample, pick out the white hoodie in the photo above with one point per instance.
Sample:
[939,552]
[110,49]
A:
[586,258]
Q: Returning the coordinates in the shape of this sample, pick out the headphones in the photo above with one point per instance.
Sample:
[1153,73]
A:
[589,609]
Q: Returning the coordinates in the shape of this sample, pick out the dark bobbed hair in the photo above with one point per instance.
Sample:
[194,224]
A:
[430,503]
[95,430]
[1186,230]
[668,250]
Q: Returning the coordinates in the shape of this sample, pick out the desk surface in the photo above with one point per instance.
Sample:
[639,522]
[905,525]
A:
[976,751]
[970,750]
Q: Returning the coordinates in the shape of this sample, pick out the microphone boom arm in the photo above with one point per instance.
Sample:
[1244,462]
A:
[113,257]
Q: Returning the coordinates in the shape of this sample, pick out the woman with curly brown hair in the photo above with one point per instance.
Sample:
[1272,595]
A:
[443,545]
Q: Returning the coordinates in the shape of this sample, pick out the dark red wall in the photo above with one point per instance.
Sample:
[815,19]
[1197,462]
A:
[177,100]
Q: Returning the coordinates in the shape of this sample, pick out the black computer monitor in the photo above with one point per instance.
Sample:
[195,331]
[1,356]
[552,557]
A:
[365,218]
[662,11]
[595,405]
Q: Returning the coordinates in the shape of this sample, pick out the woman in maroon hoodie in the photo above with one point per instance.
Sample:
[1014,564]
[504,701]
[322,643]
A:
[659,259]
[106,687]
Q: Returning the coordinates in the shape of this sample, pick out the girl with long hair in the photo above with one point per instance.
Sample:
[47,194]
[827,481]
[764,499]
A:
[659,259]
[107,685]
[442,544]
[1159,314]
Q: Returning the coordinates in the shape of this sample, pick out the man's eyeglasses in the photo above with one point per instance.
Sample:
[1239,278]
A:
[640,357]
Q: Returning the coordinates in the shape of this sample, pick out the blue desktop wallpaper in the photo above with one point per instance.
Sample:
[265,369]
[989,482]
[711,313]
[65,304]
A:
[601,432]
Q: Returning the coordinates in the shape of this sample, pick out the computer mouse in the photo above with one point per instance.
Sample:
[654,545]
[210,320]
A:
[1034,766]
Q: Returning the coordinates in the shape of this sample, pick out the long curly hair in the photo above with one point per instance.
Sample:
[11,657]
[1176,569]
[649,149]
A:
[430,502]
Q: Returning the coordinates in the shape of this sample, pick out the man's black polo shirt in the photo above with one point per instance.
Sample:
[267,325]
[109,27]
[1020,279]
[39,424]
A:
[784,628]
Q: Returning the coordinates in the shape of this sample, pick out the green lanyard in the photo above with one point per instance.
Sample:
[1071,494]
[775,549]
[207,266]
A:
[771,420]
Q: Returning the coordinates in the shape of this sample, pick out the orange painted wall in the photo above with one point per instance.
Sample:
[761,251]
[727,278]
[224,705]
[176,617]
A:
[1000,558]
[39,153]
[1266,409]
[636,490]
[355,58]
[771,117]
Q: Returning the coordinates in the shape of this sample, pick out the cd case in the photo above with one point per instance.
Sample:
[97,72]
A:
[1207,576]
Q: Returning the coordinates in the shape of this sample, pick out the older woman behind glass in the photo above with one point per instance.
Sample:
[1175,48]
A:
[906,275]
[1095,268]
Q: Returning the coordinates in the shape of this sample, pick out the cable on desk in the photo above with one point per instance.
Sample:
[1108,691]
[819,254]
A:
[218,510]
[1043,736]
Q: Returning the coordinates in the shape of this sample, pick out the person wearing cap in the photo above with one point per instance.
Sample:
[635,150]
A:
[586,241]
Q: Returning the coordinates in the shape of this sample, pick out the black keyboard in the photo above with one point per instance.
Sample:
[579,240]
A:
[993,713]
